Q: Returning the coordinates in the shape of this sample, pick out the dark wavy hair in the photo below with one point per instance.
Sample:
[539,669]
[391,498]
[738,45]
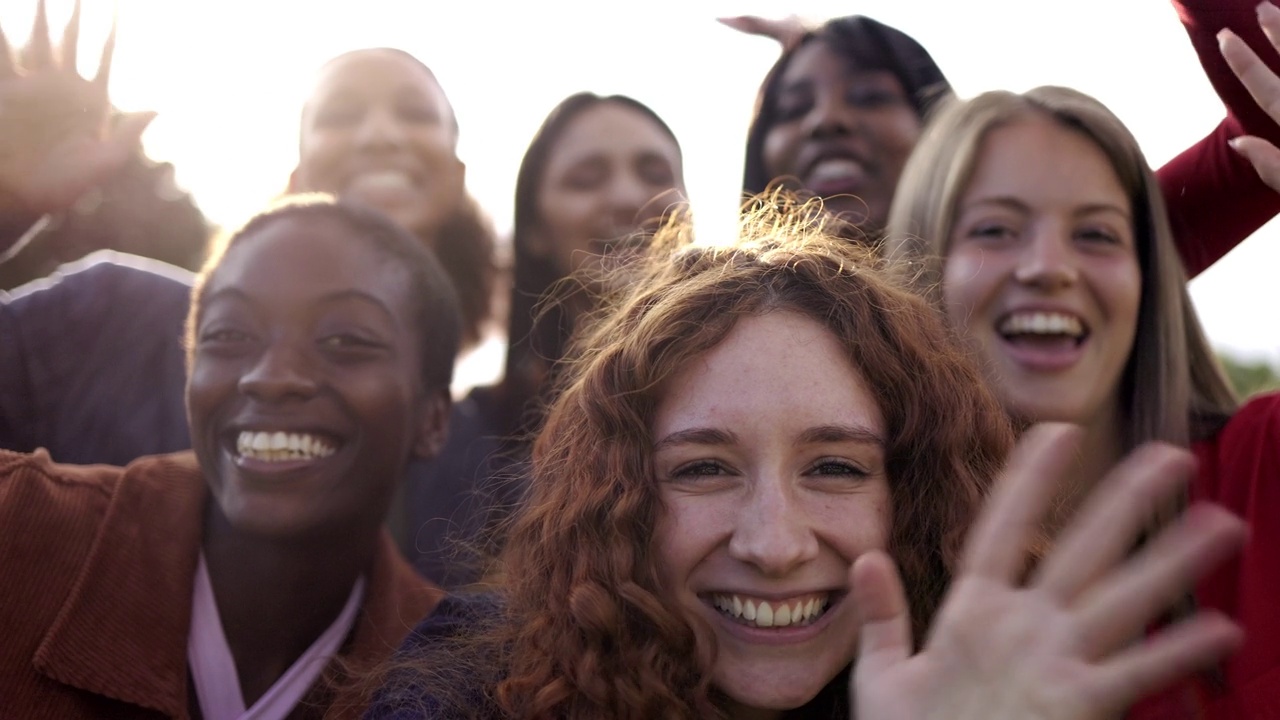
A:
[586,629]
[434,301]
[538,332]
[865,44]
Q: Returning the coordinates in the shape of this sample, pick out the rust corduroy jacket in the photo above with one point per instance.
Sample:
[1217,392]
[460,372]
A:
[96,572]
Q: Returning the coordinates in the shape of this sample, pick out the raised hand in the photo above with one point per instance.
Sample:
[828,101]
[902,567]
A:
[787,30]
[55,138]
[1068,644]
[1263,85]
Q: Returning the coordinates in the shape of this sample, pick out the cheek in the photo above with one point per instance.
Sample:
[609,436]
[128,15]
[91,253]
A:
[777,152]
[897,134]
[686,532]
[969,276]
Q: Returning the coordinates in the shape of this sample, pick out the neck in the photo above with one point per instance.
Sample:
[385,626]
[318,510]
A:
[276,596]
[1101,448]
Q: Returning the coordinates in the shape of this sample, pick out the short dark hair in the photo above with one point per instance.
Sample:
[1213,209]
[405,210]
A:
[432,296]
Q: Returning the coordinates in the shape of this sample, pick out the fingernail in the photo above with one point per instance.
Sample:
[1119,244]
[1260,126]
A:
[1224,35]
[1265,8]
[1236,145]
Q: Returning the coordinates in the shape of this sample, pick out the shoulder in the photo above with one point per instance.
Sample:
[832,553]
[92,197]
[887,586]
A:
[103,287]
[436,673]
[1240,465]
[454,616]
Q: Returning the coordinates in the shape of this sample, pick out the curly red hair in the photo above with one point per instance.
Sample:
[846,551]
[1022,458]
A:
[586,629]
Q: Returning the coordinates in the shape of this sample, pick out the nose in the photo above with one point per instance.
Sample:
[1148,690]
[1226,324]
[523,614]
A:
[628,194]
[1048,260]
[830,117]
[379,128]
[773,533]
[281,373]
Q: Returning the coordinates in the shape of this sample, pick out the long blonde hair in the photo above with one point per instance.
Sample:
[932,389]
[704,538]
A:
[1173,388]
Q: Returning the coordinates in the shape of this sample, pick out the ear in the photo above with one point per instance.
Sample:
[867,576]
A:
[293,182]
[433,424]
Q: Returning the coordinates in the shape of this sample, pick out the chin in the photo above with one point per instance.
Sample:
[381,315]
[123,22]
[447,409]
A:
[781,693]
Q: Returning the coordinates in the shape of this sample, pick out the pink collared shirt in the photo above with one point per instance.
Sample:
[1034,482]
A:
[213,669]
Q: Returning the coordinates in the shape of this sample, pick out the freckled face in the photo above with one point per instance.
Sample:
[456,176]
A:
[770,457]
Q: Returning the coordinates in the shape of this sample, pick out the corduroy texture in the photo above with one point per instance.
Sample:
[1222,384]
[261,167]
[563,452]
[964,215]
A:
[96,600]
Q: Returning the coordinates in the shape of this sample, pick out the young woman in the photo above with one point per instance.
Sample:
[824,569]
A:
[252,574]
[746,426]
[1040,231]
[377,129]
[597,171]
[841,110]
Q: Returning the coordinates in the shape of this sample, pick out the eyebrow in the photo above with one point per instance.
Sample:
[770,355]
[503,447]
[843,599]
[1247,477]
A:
[236,293]
[1014,203]
[817,435]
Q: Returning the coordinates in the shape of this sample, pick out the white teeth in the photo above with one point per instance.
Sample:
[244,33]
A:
[281,446]
[1042,323]
[835,169]
[380,180]
[765,614]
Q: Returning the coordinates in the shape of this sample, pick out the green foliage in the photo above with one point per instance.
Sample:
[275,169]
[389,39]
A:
[1250,377]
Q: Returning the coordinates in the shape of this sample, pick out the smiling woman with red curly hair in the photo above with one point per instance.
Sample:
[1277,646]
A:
[741,446]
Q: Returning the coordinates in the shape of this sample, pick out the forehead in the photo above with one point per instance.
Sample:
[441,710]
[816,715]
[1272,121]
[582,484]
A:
[294,261]
[776,372]
[610,128]
[1038,158]
[370,73]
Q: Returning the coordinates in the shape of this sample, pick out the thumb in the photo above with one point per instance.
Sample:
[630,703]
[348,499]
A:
[884,636]
[1264,157]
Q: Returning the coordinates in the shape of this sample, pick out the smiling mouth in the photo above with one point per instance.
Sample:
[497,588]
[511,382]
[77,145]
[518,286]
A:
[280,446]
[1043,329]
[760,613]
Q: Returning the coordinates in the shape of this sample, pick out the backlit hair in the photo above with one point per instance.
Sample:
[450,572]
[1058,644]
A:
[587,630]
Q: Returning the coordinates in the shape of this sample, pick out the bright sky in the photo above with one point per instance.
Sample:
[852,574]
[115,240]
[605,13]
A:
[228,78]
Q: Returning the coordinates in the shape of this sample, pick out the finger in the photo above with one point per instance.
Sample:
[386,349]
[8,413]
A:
[1119,608]
[8,68]
[884,636]
[1172,654]
[39,51]
[1257,78]
[1107,524]
[1264,157]
[71,39]
[1269,20]
[997,544]
[103,78]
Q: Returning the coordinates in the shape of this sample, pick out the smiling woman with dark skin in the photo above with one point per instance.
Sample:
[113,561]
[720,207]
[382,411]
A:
[842,108]
[233,574]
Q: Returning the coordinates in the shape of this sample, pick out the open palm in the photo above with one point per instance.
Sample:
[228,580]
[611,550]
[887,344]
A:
[1065,644]
[55,139]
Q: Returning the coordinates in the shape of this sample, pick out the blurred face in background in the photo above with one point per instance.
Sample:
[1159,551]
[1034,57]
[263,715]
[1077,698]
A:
[379,129]
[841,133]
[611,170]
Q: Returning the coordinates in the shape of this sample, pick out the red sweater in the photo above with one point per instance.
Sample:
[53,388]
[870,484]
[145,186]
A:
[1215,197]
[1239,470]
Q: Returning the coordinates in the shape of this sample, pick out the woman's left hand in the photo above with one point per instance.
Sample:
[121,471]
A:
[1067,644]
